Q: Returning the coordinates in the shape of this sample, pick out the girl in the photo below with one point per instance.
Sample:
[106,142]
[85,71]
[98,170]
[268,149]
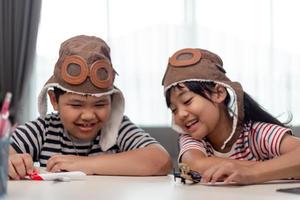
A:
[225,134]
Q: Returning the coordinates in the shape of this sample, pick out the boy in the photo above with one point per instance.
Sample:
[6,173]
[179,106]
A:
[89,131]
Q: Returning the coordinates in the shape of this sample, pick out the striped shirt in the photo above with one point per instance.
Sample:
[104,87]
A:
[258,141]
[46,136]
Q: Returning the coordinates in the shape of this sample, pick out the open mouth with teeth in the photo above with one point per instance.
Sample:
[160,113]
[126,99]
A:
[85,127]
[190,126]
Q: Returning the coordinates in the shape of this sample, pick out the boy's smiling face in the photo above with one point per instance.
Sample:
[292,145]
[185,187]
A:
[83,116]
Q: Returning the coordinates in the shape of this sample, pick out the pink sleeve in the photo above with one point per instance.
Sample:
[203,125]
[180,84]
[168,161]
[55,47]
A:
[267,139]
[186,143]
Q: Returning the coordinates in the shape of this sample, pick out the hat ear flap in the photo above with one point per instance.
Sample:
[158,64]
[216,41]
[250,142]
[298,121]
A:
[110,131]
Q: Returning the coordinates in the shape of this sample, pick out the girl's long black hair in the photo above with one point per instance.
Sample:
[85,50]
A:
[252,110]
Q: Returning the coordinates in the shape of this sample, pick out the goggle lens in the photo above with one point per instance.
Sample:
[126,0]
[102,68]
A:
[75,71]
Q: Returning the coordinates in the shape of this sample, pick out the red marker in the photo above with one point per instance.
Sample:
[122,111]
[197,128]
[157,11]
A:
[58,176]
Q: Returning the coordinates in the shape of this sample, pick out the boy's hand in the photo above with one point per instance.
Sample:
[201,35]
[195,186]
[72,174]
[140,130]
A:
[60,162]
[19,165]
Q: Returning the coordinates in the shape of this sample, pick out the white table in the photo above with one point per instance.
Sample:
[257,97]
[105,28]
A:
[141,188]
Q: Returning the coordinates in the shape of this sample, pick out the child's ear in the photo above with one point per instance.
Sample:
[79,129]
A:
[220,94]
[53,100]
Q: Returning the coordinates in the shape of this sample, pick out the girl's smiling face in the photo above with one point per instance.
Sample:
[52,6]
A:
[196,115]
[83,116]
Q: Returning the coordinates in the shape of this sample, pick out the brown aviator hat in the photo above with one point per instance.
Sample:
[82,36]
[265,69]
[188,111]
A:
[202,65]
[84,67]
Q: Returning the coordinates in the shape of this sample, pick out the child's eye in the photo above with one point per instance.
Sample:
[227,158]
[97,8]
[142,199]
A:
[187,102]
[75,105]
[101,105]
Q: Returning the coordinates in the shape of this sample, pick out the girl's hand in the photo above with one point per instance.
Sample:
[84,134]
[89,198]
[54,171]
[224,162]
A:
[229,172]
[58,163]
[20,165]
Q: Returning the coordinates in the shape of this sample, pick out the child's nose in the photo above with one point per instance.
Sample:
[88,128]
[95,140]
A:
[182,113]
[88,114]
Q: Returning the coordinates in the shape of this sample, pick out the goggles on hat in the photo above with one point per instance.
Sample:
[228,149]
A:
[192,56]
[75,71]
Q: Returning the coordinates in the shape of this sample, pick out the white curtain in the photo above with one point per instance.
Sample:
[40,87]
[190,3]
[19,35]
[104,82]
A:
[257,40]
